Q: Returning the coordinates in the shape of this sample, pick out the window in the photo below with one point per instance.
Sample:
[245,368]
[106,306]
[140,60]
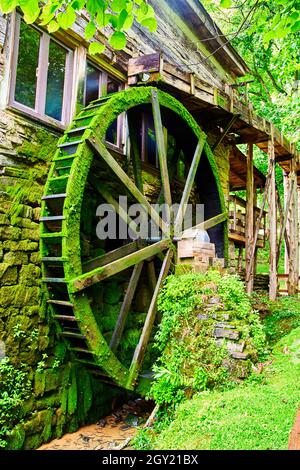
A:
[41,77]
[97,84]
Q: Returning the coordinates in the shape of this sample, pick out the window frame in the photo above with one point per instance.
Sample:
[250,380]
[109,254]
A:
[120,146]
[41,78]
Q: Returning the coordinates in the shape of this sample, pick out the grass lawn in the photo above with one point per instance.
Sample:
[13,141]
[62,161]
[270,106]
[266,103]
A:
[258,415]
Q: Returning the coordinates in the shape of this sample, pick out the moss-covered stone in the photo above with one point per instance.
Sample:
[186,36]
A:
[16,438]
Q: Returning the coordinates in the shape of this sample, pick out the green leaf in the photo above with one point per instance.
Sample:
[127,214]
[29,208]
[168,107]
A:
[90,30]
[295,27]
[118,40]
[128,23]
[53,26]
[150,23]
[93,6]
[122,18]
[30,9]
[78,4]
[113,19]
[66,19]
[225,3]
[7,6]
[118,5]
[96,48]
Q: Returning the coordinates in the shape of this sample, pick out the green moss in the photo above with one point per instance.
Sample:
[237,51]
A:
[72,393]
[256,416]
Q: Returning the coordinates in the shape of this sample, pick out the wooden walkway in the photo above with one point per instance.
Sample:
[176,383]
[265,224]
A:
[294,439]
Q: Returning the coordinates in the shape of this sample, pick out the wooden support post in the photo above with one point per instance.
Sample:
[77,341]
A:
[249,221]
[240,259]
[146,333]
[272,220]
[293,281]
[161,148]
[120,325]
[286,185]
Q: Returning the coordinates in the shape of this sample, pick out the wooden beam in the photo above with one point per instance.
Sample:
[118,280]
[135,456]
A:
[283,222]
[272,221]
[100,149]
[161,148]
[121,322]
[189,185]
[210,223]
[147,329]
[293,280]
[114,255]
[249,220]
[134,151]
[261,215]
[99,274]
[225,132]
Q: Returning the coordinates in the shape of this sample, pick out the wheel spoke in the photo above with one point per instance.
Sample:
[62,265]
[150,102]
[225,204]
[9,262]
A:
[119,328]
[134,152]
[102,151]
[189,185]
[104,192]
[161,147]
[210,223]
[99,274]
[147,329]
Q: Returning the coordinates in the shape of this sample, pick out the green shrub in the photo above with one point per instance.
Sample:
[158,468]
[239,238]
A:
[190,360]
[14,390]
[283,317]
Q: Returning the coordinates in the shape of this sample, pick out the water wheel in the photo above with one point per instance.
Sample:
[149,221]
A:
[85,172]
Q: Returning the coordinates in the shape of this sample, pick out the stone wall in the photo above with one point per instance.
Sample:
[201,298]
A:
[63,395]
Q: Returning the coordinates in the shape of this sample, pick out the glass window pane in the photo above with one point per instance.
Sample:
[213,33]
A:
[55,81]
[112,133]
[92,83]
[28,58]
[112,86]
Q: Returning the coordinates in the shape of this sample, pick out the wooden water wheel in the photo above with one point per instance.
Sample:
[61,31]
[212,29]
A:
[85,172]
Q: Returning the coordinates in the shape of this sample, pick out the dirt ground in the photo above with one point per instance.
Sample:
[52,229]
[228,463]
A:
[111,433]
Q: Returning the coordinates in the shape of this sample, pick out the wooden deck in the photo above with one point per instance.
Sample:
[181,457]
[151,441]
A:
[212,105]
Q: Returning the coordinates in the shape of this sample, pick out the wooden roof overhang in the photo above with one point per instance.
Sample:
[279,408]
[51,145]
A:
[212,107]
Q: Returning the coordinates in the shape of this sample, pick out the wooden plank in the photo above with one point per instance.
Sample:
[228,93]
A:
[294,439]
[189,185]
[148,63]
[99,274]
[147,329]
[114,255]
[272,221]
[121,322]
[161,149]
[210,223]
[249,232]
[102,151]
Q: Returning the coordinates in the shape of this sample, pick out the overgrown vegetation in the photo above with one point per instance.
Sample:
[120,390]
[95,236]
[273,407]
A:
[15,388]
[258,415]
[191,358]
[283,317]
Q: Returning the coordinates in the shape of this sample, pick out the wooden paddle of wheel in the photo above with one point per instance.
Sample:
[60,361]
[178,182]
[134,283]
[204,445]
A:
[68,277]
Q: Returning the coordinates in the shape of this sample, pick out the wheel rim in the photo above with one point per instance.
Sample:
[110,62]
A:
[60,239]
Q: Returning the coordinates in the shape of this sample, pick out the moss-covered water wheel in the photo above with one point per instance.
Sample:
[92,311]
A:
[99,290]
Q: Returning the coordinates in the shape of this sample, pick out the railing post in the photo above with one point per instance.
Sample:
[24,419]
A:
[249,221]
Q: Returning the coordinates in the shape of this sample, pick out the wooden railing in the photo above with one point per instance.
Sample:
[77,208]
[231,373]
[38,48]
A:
[237,222]
[283,284]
